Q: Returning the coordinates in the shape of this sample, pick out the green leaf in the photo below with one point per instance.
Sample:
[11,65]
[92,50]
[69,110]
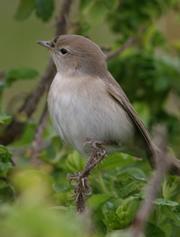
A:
[163,202]
[5,155]
[170,187]
[95,9]
[5,161]
[154,230]
[6,191]
[129,181]
[74,162]
[126,211]
[116,160]
[84,4]
[97,200]
[135,172]
[5,119]
[44,9]
[110,218]
[25,9]
[20,73]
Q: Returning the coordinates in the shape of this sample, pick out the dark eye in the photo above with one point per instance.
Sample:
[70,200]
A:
[63,50]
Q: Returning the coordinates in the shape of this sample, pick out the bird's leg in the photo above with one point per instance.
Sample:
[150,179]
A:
[82,189]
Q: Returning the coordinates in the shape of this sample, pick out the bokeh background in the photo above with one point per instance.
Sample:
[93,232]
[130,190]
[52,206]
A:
[36,198]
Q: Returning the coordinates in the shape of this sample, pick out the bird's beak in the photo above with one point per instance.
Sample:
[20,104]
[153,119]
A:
[46,44]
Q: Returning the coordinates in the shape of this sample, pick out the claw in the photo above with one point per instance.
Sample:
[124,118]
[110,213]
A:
[82,188]
[73,177]
[81,185]
[101,152]
[94,144]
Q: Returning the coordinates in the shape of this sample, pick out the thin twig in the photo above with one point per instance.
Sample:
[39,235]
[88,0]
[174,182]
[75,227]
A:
[153,187]
[16,127]
[121,49]
[37,144]
[130,42]
[151,194]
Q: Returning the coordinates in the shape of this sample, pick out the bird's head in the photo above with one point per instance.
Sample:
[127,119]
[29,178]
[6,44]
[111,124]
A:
[76,54]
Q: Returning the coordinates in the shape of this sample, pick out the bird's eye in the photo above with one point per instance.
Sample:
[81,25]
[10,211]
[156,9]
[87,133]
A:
[63,50]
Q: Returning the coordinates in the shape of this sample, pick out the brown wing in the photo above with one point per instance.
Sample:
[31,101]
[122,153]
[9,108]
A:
[118,94]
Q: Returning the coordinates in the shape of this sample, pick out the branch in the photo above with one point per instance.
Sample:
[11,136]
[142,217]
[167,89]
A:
[16,127]
[163,165]
[118,51]
[37,144]
[130,41]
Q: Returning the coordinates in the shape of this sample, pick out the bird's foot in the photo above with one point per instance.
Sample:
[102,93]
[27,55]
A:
[93,144]
[81,190]
[81,183]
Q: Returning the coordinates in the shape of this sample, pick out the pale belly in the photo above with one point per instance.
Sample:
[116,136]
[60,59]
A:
[79,113]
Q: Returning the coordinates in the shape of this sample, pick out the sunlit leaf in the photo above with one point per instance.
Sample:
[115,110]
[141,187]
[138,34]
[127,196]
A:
[126,211]
[74,162]
[164,202]
[110,218]
[5,119]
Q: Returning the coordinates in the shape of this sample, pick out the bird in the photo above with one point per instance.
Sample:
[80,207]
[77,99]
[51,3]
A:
[89,109]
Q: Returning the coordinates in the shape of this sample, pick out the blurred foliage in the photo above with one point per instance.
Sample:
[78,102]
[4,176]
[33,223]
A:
[43,9]
[19,74]
[39,202]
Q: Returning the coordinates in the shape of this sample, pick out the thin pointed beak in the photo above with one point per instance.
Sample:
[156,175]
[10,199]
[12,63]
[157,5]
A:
[46,44]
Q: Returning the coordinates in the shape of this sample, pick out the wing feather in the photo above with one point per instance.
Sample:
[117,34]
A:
[117,93]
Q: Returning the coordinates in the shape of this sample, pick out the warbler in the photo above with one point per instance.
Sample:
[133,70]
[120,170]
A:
[89,109]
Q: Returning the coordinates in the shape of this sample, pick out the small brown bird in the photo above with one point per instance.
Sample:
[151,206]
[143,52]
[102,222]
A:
[88,107]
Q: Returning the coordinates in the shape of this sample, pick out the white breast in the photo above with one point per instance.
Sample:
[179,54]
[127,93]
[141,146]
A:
[81,109]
